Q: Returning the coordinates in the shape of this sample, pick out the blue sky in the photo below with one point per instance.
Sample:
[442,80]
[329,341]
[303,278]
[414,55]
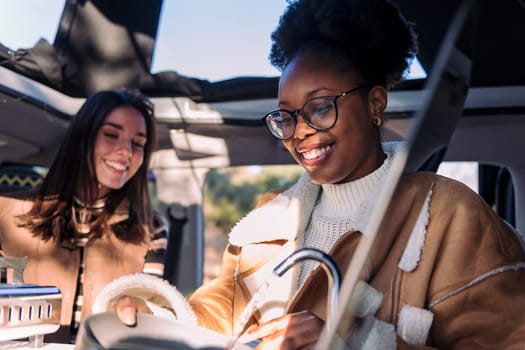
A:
[236,33]
[22,22]
[211,39]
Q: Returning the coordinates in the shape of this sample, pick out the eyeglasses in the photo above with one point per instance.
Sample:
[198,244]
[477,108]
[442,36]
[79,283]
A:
[319,113]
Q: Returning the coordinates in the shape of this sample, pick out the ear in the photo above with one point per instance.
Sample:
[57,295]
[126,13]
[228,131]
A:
[377,101]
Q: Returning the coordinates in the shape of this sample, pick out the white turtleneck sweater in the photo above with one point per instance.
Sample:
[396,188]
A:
[337,209]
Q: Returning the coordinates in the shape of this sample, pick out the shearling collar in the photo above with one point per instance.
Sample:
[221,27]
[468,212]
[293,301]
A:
[286,216]
[283,217]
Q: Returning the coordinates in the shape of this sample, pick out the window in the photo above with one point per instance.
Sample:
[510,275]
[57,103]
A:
[231,193]
[23,23]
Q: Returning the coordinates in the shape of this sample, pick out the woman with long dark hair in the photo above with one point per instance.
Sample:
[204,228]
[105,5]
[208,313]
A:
[91,219]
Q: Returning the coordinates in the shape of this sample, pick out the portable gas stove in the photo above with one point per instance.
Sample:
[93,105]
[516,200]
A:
[27,310]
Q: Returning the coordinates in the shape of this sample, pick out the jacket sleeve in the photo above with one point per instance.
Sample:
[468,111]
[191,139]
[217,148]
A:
[213,302]
[476,286]
[219,302]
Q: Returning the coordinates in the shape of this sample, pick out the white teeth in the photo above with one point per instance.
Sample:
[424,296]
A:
[315,153]
[116,165]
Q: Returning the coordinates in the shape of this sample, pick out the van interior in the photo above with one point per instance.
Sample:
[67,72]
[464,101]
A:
[468,109]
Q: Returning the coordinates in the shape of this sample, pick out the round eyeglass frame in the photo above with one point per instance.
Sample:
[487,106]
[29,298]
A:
[268,120]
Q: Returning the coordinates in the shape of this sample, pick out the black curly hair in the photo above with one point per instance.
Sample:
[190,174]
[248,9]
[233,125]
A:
[371,36]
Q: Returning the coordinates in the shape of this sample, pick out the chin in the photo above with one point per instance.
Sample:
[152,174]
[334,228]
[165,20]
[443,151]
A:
[318,180]
[322,177]
[112,186]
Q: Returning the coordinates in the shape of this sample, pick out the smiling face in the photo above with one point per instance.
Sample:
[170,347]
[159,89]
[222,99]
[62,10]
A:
[119,148]
[349,150]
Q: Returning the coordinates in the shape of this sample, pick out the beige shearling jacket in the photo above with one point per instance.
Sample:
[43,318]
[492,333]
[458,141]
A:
[448,276]
[50,264]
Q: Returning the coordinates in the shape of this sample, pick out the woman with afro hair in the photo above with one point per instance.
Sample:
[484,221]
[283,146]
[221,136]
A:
[448,276]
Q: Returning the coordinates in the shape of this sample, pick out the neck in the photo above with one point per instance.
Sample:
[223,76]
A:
[338,200]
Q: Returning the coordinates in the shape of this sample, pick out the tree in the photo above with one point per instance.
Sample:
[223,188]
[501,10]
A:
[231,193]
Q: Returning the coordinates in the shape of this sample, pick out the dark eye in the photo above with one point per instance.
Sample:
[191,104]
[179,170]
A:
[111,135]
[279,119]
[138,144]
[284,119]
[318,108]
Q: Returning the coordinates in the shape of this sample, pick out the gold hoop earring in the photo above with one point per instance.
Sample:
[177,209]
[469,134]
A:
[376,122]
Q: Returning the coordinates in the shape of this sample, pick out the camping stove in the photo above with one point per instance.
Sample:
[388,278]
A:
[28,311]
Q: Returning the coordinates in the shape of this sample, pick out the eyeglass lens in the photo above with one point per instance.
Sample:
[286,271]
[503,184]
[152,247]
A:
[319,113]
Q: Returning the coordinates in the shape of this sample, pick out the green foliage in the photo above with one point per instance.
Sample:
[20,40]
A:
[231,193]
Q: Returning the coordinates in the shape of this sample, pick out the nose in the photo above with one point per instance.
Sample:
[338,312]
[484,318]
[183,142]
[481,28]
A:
[302,129]
[329,266]
[126,145]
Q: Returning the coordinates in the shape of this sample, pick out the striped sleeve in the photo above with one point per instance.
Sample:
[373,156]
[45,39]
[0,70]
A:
[154,262]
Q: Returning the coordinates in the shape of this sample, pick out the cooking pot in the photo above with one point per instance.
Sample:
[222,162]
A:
[104,331]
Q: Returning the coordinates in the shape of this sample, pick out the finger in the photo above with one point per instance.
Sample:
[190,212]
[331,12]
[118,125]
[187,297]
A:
[126,309]
[255,335]
[283,341]
[142,307]
[266,329]
[275,342]
[286,322]
[296,331]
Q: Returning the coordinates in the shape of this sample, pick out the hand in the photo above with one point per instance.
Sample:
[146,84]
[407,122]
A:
[293,331]
[127,307]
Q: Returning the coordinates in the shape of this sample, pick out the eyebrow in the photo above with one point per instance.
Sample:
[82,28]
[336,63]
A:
[311,93]
[118,126]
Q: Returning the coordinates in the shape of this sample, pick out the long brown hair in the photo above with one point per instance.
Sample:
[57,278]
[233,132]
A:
[73,173]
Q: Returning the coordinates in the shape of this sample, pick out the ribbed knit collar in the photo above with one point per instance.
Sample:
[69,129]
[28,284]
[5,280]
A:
[339,200]
[290,211]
